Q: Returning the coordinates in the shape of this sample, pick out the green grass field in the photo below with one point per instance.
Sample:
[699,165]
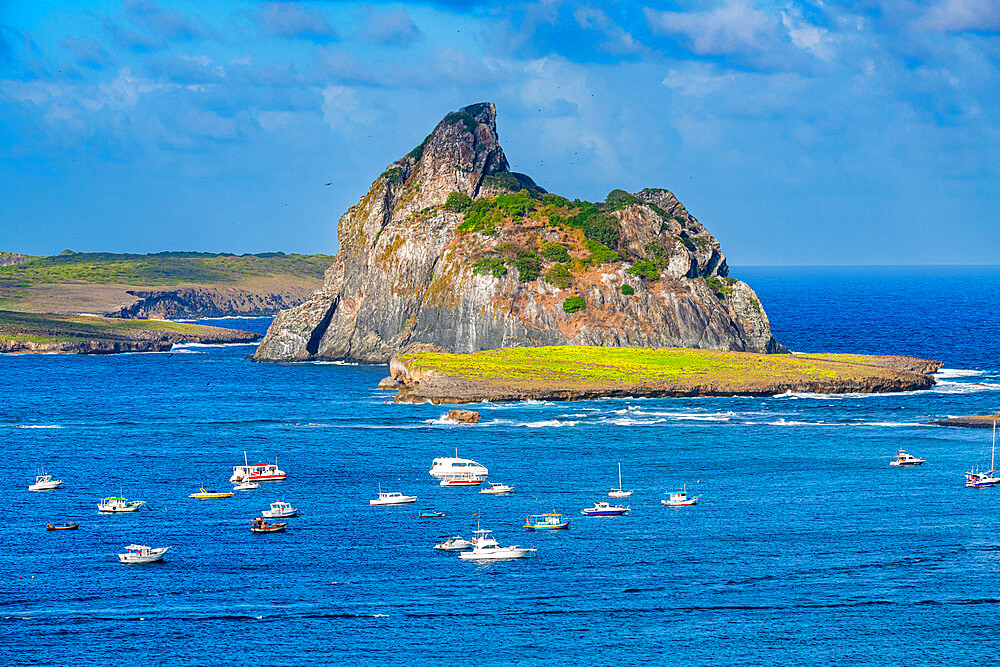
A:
[49,328]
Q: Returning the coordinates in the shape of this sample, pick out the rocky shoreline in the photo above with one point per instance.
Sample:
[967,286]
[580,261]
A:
[208,302]
[434,378]
[971,421]
[33,333]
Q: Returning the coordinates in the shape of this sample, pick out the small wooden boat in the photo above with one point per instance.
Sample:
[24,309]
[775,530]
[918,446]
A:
[69,525]
[679,499]
[904,460]
[261,525]
[547,521]
[140,553]
[205,495]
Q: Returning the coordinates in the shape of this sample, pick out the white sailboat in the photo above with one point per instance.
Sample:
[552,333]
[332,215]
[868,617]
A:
[977,479]
[619,493]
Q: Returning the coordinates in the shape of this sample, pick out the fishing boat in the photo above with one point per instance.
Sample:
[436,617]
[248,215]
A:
[619,493]
[262,525]
[464,479]
[602,508]
[140,553]
[679,499]
[455,543]
[246,485]
[279,510]
[447,467]
[118,504]
[497,489]
[485,547]
[904,459]
[69,525]
[430,514]
[978,479]
[257,472]
[44,482]
[206,495]
[548,521]
[391,498]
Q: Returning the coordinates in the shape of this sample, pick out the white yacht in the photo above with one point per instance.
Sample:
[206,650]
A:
[391,498]
[496,488]
[279,510]
[485,547]
[256,472]
[679,499]
[619,492]
[464,479]
[452,466]
[246,485]
[904,459]
[116,504]
[45,482]
[977,478]
[456,543]
[140,553]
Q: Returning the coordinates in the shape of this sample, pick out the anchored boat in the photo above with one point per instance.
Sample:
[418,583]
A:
[449,467]
[44,482]
[679,499]
[485,547]
[619,493]
[257,472]
[206,495]
[497,489]
[464,479]
[140,553]
[548,521]
[118,504]
[69,525]
[279,510]
[602,508]
[391,498]
[456,543]
[978,479]
[903,459]
[261,525]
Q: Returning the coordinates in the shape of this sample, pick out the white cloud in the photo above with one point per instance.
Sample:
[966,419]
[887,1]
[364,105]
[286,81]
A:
[961,16]
[731,28]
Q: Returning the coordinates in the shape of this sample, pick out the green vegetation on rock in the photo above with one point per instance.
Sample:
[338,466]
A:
[595,223]
[558,276]
[574,304]
[555,252]
[491,265]
[529,266]
[628,290]
[600,253]
[722,287]
[458,202]
[646,270]
[619,199]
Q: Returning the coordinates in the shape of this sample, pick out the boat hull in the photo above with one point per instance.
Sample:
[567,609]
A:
[210,496]
[268,514]
[681,503]
[553,527]
[45,486]
[507,554]
[66,526]
[408,501]
[273,528]
[604,513]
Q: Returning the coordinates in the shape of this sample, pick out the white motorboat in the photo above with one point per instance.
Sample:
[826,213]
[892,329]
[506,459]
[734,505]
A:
[257,472]
[464,479]
[447,467]
[118,504]
[602,508]
[485,547]
[904,459]
[978,479]
[391,498]
[496,488]
[279,510]
[679,499]
[44,482]
[619,493]
[456,543]
[246,485]
[140,553]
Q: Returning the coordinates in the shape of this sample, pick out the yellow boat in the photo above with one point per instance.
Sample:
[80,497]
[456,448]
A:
[204,495]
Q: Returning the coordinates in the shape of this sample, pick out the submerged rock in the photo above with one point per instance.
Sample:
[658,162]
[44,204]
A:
[452,249]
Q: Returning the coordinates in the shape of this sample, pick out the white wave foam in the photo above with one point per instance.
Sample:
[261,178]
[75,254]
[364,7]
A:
[549,423]
[690,416]
[313,425]
[182,346]
[792,422]
[964,387]
[38,426]
[947,373]
[892,424]
[335,362]
[629,421]
[440,421]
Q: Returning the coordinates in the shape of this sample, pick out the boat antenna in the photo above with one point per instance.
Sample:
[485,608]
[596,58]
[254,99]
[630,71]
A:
[246,464]
[994,451]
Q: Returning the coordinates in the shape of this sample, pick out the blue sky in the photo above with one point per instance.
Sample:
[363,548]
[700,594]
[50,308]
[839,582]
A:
[798,133]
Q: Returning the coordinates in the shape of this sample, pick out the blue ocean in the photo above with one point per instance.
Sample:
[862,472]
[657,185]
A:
[805,548]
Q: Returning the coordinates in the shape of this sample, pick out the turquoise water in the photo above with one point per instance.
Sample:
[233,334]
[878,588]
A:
[806,545]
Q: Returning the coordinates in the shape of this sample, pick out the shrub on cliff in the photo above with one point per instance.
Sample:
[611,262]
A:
[722,287]
[492,265]
[573,304]
[529,266]
[688,243]
[619,199]
[596,224]
[555,252]
[516,204]
[482,216]
[558,276]
[600,253]
[458,202]
[645,269]
[628,290]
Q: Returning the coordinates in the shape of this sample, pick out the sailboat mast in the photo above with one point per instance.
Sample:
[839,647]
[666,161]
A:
[993,452]
[619,475]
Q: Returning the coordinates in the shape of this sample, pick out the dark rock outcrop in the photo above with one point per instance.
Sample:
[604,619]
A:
[405,274]
[983,421]
[196,302]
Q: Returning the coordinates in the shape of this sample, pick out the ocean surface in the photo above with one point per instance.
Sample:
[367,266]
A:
[806,546]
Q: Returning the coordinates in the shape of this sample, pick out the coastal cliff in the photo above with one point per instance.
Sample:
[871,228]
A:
[451,248]
[202,302]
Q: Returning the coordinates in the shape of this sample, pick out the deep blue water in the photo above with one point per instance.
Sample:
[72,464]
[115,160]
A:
[806,548]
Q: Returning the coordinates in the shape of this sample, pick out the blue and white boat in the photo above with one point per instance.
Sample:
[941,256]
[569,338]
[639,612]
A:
[547,521]
[602,508]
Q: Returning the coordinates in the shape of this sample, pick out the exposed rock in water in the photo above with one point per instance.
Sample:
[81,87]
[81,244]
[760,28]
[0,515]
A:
[388,384]
[502,263]
[464,416]
[984,421]
[195,302]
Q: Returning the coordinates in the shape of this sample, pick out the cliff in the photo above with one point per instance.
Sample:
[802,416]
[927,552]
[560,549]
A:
[450,248]
[575,373]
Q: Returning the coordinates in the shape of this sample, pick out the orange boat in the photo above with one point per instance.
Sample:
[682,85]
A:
[261,525]
[69,525]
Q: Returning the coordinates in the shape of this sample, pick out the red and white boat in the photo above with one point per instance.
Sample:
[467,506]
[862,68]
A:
[467,479]
[257,472]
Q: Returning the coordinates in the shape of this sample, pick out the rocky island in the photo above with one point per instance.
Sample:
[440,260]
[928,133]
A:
[970,421]
[451,248]
[575,372]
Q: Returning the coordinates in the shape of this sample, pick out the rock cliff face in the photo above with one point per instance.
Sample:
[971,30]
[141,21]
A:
[450,248]
[198,302]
